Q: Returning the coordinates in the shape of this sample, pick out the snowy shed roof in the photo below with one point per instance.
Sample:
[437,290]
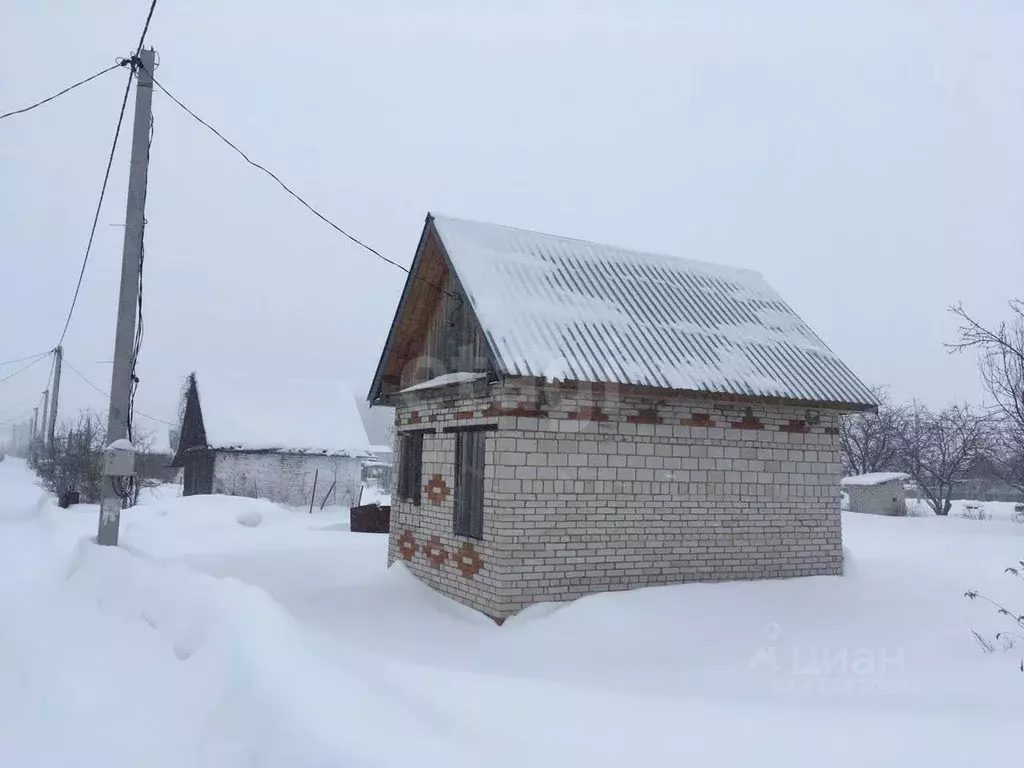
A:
[256,413]
[874,478]
[570,310]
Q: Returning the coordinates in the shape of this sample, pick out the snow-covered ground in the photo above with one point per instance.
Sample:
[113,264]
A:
[230,632]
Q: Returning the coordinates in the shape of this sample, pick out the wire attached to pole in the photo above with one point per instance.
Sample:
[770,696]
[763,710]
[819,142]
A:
[295,195]
[24,368]
[133,63]
[26,357]
[57,95]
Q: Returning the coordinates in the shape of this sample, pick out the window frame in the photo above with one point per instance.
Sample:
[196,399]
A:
[468,498]
[410,466]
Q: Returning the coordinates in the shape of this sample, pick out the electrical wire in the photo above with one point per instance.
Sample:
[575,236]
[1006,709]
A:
[27,357]
[23,368]
[30,107]
[145,28]
[293,193]
[107,394]
[99,204]
[140,324]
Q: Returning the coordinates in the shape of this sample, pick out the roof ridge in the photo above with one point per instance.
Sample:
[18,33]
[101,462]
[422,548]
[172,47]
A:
[632,251]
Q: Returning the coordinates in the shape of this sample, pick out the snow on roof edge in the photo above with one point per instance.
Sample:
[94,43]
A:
[447,379]
[874,478]
[290,415]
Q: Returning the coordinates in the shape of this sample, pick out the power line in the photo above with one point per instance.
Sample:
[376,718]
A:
[139,326]
[80,375]
[23,368]
[27,357]
[99,204]
[58,94]
[145,27]
[292,192]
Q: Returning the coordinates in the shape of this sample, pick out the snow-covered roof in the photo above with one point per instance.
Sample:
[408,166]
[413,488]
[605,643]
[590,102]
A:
[446,380]
[571,310]
[874,478]
[257,413]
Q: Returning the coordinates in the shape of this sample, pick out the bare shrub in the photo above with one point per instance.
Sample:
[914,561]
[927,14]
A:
[975,512]
[75,460]
[1009,637]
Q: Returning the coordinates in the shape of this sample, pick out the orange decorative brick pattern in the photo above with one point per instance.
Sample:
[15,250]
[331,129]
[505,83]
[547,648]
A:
[437,490]
[519,410]
[645,416]
[407,545]
[468,560]
[593,413]
[436,553]
[414,418]
[795,425]
[463,415]
[749,421]
[698,420]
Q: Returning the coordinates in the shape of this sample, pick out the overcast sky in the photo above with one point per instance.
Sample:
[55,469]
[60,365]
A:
[866,157]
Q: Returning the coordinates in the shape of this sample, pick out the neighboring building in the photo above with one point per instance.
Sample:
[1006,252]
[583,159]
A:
[879,493]
[576,418]
[377,470]
[292,441]
[155,445]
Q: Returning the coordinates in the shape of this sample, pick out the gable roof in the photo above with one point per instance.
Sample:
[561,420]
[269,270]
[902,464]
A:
[570,310]
[256,413]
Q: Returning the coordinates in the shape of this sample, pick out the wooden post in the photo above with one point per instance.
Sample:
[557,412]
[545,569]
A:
[328,494]
[312,496]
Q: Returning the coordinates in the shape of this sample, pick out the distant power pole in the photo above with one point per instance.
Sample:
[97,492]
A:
[35,421]
[58,358]
[131,264]
[45,421]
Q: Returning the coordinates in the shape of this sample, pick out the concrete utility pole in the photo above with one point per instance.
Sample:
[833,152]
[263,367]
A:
[131,263]
[58,356]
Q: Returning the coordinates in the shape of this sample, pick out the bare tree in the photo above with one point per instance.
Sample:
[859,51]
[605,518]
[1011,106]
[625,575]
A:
[1001,363]
[872,442]
[75,461]
[939,449]
[144,442]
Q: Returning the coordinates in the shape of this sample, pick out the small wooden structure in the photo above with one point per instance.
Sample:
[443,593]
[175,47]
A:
[370,518]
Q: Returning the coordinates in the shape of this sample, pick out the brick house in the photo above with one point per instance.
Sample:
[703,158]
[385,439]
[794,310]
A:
[289,441]
[877,493]
[575,418]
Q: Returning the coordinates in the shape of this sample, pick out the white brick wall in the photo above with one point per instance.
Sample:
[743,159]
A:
[287,478]
[596,492]
[883,499]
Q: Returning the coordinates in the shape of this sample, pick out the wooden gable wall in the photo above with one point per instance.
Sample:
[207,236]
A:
[437,331]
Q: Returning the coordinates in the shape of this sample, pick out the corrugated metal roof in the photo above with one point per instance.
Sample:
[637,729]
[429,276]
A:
[572,310]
